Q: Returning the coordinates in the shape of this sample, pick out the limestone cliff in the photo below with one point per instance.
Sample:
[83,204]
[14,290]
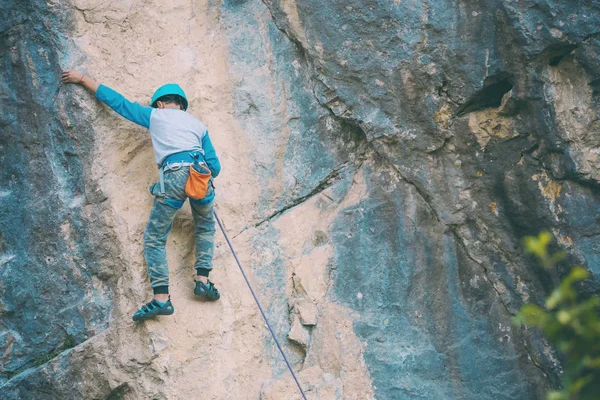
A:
[381,161]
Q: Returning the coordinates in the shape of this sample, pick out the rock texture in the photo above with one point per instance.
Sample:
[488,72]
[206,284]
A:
[59,255]
[382,160]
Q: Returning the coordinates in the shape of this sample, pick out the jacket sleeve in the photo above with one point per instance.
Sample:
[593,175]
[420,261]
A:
[210,156]
[134,112]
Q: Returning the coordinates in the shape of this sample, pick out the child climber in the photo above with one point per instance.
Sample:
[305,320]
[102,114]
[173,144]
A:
[178,140]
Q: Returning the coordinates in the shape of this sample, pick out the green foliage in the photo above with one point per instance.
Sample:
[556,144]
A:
[68,343]
[42,359]
[570,323]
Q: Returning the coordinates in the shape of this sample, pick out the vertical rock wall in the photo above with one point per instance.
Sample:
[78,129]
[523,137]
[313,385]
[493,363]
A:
[382,160]
[59,256]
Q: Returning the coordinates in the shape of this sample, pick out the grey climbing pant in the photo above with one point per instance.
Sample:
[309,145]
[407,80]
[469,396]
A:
[160,223]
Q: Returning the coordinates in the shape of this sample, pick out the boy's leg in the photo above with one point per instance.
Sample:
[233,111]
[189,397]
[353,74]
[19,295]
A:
[157,231]
[205,244]
[159,226]
[204,221]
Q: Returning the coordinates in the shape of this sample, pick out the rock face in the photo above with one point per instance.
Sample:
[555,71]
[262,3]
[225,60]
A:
[381,162]
[59,255]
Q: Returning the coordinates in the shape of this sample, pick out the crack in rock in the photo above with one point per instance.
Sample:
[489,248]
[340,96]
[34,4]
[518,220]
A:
[328,181]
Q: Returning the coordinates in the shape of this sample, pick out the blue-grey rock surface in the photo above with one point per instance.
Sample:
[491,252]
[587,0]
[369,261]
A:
[57,254]
[382,162]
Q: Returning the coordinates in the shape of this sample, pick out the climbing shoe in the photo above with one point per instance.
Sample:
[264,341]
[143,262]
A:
[153,308]
[206,291]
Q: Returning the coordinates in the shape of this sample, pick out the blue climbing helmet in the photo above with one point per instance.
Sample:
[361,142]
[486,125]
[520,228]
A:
[169,88]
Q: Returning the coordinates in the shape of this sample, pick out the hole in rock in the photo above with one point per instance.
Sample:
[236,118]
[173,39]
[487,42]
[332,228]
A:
[595,84]
[490,95]
[120,392]
[557,52]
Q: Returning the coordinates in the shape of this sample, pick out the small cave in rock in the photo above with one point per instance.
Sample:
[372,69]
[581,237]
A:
[490,95]
[120,392]
[595,84]
[557,52]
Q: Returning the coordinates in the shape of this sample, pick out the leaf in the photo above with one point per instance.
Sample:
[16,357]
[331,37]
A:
[532,315]
[577,274]
[563,317]
[557,258]
[554,300]
[592,362]
[556,396]
[538,245]
[580,383]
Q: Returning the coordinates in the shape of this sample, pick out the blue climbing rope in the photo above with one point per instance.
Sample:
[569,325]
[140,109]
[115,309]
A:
[259,306]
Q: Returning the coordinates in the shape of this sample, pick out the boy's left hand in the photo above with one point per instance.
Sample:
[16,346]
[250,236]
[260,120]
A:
[71,76]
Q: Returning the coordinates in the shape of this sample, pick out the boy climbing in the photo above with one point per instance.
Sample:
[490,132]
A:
[179,141]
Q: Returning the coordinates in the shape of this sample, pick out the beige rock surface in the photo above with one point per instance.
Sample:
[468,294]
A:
[307,312]
[220,350]
[567,89]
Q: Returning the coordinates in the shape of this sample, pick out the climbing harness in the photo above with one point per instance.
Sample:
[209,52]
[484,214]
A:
[175,162]
[259,306]
[168,167]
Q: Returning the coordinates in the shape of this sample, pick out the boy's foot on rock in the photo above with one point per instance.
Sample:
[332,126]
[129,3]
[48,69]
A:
[206,291]
[153,308]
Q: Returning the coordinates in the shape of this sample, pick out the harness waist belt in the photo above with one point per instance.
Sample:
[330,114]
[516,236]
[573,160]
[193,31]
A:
[176,161]
[184,156]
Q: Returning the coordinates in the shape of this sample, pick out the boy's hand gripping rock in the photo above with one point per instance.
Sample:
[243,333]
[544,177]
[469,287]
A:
[71,76]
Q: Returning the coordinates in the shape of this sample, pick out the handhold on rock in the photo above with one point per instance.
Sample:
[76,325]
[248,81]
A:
[299,334]
[298,289]
[509,105]
[307,312]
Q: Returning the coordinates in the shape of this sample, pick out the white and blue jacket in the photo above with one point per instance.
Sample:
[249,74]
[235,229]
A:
[173,131]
